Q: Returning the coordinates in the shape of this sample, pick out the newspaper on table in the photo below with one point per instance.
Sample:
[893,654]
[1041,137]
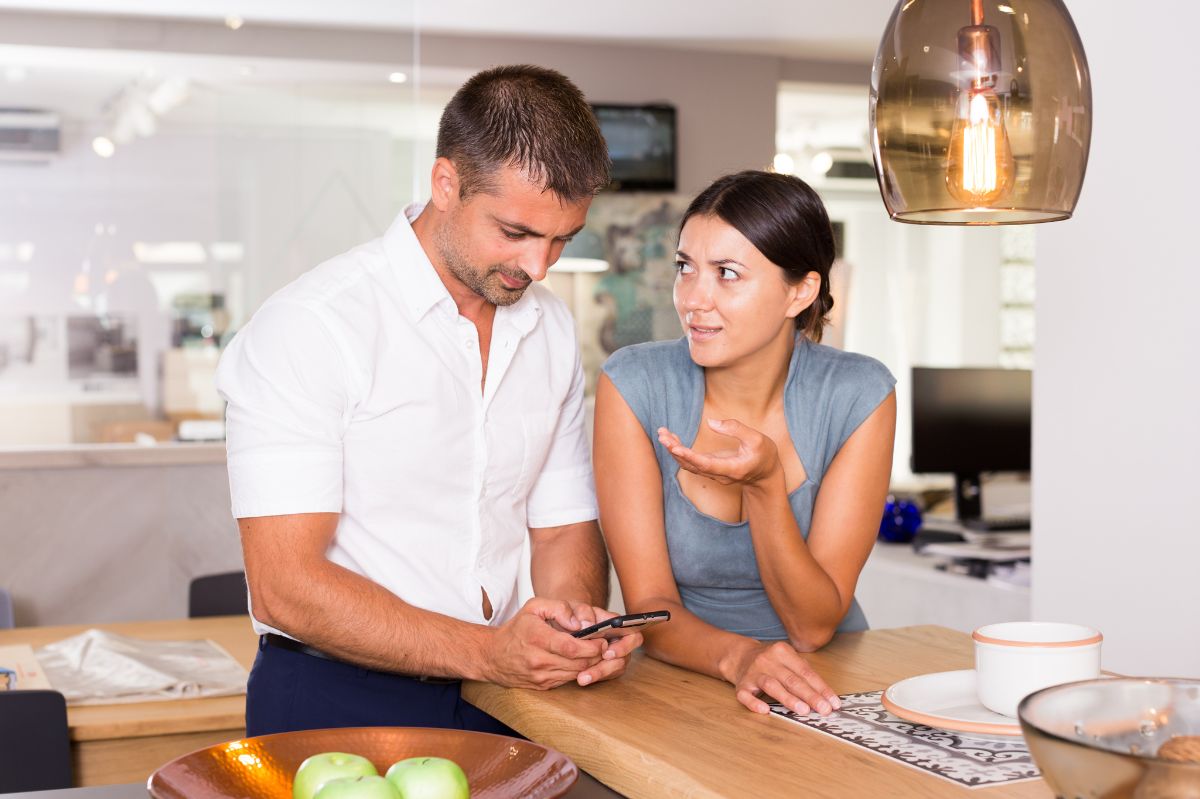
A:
[98,667]
[20,670]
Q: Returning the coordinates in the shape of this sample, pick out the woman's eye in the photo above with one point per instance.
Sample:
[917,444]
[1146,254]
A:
[683,267]
[728,274]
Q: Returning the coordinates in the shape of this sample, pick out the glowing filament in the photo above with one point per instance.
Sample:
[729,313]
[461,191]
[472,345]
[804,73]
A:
[979,150]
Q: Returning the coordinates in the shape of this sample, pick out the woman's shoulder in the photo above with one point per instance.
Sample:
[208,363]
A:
[648,375]
[842,370]
[649,359]
[843,387]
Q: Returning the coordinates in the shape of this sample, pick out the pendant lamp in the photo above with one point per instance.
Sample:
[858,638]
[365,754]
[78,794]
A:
[981,112]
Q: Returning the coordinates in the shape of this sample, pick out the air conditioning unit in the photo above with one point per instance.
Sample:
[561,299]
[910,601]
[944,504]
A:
[28,135]
[850,164]
[852,169]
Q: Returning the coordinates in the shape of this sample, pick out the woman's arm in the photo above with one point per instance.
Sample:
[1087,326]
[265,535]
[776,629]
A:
[810,584]
[629,488]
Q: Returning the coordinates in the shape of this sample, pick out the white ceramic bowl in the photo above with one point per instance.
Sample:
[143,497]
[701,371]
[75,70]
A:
[1014,659]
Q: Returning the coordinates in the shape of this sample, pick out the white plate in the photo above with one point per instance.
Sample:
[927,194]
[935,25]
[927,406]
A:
[947,700]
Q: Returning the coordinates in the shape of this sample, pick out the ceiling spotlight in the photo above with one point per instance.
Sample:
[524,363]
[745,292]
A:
[784,163]
[103,146]
[15,73]
[822,162]
[398,77]
[167,95]
[143,121]
[234,22]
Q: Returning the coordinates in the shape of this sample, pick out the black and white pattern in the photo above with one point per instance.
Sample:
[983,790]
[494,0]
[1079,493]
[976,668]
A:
[973,762]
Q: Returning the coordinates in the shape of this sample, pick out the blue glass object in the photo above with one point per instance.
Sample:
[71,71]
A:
[900,522]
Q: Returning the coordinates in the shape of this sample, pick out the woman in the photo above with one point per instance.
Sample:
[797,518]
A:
[742,469]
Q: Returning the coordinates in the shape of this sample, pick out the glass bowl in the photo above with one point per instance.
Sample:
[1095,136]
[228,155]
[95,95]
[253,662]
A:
[1118,738]
[497,767]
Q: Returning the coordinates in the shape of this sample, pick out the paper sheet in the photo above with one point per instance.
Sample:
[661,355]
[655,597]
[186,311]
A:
[98,667]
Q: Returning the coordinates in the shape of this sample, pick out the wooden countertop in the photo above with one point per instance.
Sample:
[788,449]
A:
[660,731]
[140,719]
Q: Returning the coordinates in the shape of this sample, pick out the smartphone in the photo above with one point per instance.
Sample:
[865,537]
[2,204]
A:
[621,625]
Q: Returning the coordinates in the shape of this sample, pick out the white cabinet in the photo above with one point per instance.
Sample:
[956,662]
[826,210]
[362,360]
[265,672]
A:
[898,587]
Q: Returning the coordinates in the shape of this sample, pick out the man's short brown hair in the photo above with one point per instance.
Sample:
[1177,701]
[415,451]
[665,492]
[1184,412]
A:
[529,118]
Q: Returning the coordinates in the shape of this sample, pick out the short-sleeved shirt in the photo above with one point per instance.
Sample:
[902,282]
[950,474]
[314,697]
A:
[356,390]
[828,394]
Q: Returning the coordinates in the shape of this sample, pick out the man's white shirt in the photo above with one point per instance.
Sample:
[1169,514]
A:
[356,390]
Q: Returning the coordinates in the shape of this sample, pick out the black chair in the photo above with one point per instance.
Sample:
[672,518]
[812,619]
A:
[6,610]
[35,747]
[217,595]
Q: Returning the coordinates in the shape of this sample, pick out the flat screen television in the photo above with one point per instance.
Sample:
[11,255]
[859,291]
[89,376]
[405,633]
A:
[641,143]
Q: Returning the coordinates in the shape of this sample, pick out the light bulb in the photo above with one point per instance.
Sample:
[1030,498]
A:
[979,168]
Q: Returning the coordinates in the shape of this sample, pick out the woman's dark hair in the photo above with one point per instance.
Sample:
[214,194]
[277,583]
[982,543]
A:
[530,118]
[785,219]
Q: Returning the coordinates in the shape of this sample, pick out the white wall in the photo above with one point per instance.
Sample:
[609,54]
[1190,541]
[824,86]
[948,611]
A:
[725,101]
[1117,382]
[916,295]
[93,544]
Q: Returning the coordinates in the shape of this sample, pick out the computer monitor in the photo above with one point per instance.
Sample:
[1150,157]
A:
[969,421]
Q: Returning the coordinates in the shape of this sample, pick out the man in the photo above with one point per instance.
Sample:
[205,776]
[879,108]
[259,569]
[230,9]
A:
[404,417]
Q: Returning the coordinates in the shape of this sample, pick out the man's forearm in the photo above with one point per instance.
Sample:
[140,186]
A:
[570,562]
[354,619]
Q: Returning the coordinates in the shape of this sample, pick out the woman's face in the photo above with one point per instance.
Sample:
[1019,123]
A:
[731,300]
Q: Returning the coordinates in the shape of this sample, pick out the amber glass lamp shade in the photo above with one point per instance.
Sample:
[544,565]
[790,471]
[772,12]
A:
[981,112]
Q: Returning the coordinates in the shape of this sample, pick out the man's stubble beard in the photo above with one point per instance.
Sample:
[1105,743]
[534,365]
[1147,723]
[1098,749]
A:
[484,283]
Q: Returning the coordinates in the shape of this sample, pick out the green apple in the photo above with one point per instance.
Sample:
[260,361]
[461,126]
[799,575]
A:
[429,778]
[320,769]
[374,787]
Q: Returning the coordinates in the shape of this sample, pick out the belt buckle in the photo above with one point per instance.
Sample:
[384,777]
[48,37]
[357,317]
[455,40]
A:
[436,680]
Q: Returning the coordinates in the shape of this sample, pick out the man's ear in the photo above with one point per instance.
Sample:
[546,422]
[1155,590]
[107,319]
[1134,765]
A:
[444,184]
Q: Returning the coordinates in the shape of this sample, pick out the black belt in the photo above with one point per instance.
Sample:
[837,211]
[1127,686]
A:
[292,645]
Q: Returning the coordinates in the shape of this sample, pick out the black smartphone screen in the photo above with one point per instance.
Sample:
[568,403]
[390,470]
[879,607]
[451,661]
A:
[619,625]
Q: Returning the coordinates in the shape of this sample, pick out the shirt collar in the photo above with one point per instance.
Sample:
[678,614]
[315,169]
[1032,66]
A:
[425,290]
[523,314]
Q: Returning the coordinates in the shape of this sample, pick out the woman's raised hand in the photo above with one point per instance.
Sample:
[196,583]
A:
[755,458]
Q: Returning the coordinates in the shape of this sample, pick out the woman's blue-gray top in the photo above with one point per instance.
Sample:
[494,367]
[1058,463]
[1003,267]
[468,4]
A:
[829,393]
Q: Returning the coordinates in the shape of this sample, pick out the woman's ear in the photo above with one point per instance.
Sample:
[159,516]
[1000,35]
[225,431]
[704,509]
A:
[444,184]
[804,293]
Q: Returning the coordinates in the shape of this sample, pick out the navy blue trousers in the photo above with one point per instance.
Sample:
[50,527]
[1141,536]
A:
[294,691]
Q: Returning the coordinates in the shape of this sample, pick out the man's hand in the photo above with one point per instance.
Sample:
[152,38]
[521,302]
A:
[616,652]
[534,650]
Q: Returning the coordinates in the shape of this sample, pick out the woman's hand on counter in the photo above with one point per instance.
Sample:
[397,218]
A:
[778,672]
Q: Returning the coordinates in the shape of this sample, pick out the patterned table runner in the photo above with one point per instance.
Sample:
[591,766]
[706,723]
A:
[973,762]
